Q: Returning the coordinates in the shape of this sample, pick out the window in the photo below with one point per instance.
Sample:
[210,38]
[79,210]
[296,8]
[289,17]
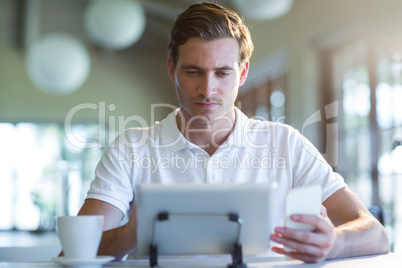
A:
[368,87]
[263,96]
[43,173]
[265,102]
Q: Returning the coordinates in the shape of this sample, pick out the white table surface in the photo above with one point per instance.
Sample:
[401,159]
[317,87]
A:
[28,246]
[382,261]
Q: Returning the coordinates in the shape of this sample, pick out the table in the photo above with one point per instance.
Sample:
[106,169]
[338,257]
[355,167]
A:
[385,260]
[28,246]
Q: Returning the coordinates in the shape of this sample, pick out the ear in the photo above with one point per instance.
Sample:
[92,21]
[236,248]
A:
[244,73]
[171,70]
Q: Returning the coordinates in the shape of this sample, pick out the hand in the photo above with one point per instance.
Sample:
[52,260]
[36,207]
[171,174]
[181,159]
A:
[307,246]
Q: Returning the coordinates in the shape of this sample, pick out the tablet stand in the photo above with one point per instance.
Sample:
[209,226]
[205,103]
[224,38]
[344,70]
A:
[237,255]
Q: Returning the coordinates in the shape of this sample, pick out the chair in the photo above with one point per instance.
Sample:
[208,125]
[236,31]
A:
[378,213]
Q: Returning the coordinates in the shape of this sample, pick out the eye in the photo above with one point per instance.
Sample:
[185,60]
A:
[191,72]
[223,73]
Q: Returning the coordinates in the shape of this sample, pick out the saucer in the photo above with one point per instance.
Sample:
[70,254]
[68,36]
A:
[83,262]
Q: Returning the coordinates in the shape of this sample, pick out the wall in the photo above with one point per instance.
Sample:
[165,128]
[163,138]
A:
[116,80]
[313,26]
[133,80]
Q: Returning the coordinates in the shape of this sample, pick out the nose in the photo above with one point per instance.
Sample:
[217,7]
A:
[208,86]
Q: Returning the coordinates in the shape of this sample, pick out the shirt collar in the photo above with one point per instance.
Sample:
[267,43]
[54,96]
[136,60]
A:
[239,130]
[173,140]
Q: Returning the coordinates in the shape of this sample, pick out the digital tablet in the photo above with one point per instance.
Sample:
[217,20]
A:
[195,218]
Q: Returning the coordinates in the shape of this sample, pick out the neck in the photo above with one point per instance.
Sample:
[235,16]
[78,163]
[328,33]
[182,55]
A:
[207,134]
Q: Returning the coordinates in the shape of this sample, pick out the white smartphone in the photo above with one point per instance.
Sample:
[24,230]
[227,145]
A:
[302,200]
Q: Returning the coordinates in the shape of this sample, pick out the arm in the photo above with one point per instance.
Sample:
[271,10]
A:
[357,232]
[345,228]
[116,241]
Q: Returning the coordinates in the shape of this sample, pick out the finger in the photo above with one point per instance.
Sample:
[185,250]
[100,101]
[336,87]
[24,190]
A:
[316,245]
[305,237]
[321,223]
[295,255]
[323,211]
[298,256]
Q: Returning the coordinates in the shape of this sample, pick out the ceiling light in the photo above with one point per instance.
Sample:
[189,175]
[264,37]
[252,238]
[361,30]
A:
[114,24]
[263,9]
[58,63]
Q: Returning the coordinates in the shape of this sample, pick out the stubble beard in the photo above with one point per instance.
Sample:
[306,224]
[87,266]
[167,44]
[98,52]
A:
[205,116]
[202,118]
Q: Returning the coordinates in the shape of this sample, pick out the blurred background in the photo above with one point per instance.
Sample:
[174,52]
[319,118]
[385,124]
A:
[75,73]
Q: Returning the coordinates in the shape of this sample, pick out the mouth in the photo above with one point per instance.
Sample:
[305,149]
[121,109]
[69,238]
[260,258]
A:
[207,105]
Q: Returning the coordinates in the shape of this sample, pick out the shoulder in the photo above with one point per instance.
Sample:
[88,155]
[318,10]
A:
[269,129]
[254,125]
[139,136]
[260,124]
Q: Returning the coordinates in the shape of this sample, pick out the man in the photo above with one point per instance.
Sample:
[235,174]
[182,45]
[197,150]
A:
[209,53]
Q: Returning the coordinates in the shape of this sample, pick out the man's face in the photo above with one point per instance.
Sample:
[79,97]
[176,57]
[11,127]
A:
[207,77]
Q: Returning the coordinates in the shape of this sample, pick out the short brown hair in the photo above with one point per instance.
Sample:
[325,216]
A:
[209,21]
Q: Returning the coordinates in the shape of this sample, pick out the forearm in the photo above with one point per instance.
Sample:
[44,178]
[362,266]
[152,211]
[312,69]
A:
[363,236]
[118,242]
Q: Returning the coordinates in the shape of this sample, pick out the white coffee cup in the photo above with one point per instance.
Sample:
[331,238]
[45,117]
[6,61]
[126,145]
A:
[80,236]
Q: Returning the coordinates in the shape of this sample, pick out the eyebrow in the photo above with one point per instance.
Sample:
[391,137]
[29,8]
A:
[221,68]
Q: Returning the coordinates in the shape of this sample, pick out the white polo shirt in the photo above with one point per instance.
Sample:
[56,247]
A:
[256,151]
